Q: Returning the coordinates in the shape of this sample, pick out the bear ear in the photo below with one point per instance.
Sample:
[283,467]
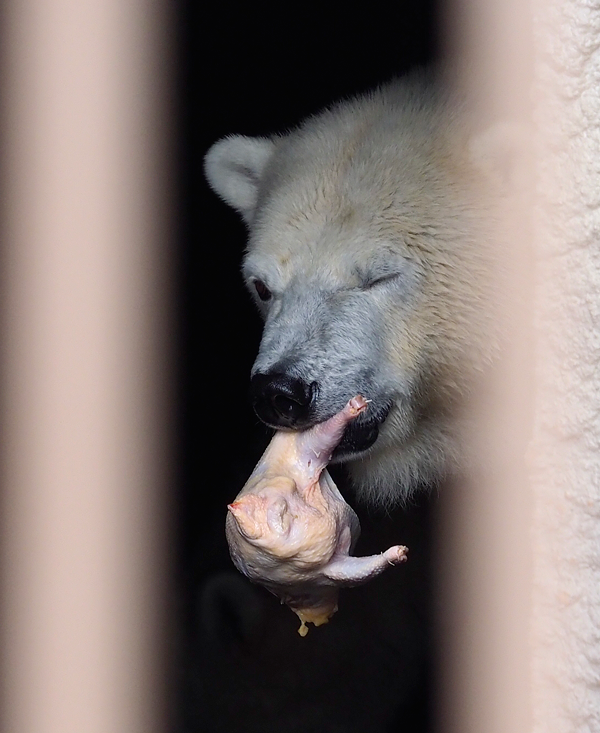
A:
[501,153]
[234,166]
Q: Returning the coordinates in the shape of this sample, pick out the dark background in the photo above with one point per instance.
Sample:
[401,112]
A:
[239,664]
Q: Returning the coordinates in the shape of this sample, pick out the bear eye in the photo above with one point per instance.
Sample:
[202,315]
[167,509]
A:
[262,290]
[381,280]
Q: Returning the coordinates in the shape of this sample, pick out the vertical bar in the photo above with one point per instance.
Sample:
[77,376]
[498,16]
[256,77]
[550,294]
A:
[84,376]
[521,532]
[485,524]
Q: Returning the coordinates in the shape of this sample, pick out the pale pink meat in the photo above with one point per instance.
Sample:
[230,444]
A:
[290,529]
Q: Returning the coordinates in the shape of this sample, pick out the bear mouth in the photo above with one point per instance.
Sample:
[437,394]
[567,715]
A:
[360,435]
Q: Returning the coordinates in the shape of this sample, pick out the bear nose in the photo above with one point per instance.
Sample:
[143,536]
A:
[281,400]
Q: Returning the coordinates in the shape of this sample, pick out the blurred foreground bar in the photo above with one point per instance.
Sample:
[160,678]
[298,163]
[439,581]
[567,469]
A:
[520,540]
[85,403]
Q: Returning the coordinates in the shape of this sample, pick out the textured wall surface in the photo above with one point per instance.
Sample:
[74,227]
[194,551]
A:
[565,456]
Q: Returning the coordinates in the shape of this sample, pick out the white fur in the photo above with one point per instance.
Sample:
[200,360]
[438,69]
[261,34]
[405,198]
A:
[233,167]
[365,223]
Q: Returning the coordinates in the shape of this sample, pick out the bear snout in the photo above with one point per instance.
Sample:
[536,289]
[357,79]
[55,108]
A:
[281,400]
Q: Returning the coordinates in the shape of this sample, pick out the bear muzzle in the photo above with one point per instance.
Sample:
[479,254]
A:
[283,401]
[361,435]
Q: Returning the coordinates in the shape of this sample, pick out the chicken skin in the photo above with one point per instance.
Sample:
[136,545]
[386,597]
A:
[290,530]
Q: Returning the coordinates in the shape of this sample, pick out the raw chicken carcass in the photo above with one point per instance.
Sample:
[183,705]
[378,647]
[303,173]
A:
[290,529]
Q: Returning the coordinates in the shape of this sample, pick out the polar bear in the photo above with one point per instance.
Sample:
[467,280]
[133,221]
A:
[367,258]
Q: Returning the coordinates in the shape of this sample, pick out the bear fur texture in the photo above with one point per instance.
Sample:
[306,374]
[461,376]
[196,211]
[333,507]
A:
[367,259]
